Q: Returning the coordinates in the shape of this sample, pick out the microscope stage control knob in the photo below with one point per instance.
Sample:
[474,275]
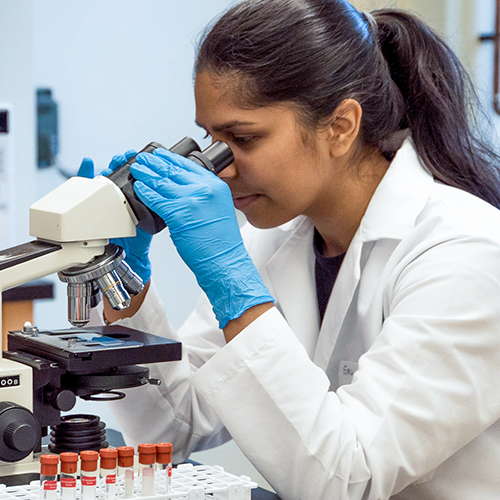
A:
[19,432]
[62,399]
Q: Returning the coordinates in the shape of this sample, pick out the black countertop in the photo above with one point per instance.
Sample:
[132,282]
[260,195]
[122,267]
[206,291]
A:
[34,290]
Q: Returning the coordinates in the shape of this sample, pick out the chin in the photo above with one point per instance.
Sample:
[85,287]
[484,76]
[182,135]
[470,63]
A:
[268,221]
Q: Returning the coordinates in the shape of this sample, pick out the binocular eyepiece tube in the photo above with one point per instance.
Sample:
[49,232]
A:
[215,158]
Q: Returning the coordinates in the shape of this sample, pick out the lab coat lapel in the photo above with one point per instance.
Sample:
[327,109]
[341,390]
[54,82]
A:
[391,214]
[291,271]
[338,304]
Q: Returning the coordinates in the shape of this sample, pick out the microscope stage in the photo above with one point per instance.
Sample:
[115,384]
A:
[93,349]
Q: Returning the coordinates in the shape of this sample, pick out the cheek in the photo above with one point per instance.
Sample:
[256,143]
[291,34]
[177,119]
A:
[285,172]
[295,180]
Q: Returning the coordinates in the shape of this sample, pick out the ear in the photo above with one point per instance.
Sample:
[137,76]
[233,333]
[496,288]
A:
[344,126]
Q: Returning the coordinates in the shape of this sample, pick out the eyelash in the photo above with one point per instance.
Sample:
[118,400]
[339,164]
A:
[240,141]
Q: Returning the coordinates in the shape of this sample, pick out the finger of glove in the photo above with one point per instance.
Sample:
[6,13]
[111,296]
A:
[153,200]
[118,161]
[86,168]
[165,168]
[130,153]
[181,161]
[165,186]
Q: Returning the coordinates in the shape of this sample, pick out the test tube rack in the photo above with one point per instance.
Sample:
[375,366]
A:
[189,482]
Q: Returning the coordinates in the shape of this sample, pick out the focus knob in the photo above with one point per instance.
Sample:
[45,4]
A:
[20,437]
[19,432]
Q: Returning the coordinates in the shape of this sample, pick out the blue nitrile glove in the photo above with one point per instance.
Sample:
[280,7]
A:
[198,209]
[137,247]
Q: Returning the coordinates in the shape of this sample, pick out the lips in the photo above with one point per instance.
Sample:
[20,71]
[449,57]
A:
[241,202]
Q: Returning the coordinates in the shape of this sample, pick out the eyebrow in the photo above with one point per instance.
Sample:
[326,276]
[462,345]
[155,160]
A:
[227,125]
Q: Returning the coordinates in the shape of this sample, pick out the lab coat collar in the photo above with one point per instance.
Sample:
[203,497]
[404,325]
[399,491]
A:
[398,199]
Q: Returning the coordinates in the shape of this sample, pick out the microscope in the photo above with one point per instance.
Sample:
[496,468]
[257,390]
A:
[42,372]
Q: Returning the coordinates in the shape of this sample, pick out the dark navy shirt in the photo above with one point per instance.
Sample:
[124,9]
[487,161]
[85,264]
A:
[326,270]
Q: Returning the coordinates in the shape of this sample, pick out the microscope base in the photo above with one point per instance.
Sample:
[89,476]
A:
[13,474]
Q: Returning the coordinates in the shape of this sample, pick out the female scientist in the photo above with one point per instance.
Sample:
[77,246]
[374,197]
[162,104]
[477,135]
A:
[351,345]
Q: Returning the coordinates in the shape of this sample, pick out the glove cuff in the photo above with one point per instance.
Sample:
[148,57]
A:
[234,288]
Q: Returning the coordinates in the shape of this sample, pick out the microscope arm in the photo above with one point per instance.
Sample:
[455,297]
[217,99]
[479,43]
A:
[30,261]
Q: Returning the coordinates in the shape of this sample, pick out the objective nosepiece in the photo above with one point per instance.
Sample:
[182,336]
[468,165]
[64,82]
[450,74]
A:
[102,274]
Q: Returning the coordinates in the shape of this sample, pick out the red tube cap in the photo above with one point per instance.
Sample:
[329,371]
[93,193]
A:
[108,458]
[164,453]
[147,453]
[125,456]
[69,462]
[89,460]
[48,465]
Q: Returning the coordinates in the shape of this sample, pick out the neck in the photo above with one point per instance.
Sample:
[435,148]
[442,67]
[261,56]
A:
[338,215]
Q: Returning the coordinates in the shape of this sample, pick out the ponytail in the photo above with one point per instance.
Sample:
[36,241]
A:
[438,101]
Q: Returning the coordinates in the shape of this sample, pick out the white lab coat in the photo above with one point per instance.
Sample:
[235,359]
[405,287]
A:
[416,304]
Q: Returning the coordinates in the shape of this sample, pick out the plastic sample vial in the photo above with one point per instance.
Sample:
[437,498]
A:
[88,466]
[69,463]
[48,477]
[147,459]
[126,469]
[164,463]
[108,472]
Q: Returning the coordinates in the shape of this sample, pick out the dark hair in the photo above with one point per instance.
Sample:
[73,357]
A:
[317,53]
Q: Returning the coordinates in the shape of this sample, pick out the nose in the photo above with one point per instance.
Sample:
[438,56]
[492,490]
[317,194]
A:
[230,172]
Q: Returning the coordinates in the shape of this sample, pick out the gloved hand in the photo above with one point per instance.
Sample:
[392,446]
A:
[137,247]
[198,209]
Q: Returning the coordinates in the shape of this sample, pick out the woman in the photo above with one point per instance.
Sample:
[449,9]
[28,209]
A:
[357,169]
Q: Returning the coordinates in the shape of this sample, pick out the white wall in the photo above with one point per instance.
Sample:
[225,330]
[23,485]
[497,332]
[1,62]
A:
[16,88]
[482,21]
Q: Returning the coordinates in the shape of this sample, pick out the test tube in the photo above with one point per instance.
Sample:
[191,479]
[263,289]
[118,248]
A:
[88,466]
[48,477]
[126,469]
[108,472]
[69,462]
[147,459]
[164,463]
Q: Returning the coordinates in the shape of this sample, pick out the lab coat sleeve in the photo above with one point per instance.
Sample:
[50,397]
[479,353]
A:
[171,412]
[426,388]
